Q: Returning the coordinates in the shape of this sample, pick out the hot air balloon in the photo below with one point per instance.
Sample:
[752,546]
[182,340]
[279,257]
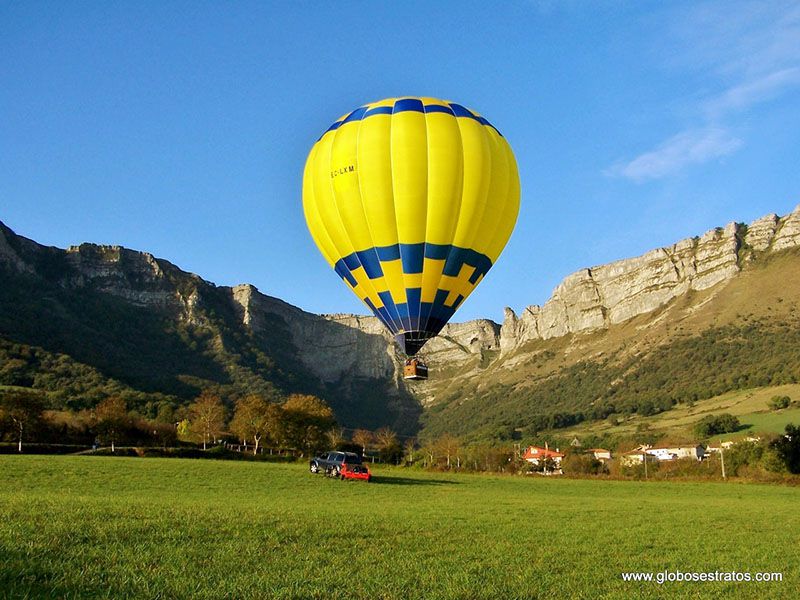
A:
[411,201]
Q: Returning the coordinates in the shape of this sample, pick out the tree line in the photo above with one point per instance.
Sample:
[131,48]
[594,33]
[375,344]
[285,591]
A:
[299,421]
[305,424]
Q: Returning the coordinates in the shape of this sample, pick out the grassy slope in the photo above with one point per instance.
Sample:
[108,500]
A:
[150,528]
[750,406]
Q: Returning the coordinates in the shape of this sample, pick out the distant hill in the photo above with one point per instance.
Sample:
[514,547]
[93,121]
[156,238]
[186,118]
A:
[703,317]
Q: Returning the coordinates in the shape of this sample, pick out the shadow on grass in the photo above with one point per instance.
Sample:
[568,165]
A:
[410,481]
[22,577]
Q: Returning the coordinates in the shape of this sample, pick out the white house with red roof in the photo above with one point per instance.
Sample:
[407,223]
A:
[535,454]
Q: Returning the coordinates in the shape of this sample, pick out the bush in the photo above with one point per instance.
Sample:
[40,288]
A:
[787,448]
[636,470]
[689,468]
[582,464]
[779,402]
[743,454]
[772,461]
[717,424]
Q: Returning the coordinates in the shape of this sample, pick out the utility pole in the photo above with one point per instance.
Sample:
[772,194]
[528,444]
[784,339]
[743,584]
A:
[644,457]
[722,460]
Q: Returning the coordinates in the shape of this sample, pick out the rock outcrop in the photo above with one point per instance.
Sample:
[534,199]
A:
[761,231]
[331,346]
[595,298]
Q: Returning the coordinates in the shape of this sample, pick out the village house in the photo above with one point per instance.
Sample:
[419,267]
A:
[535,454]
[728,444]
[637,456]
[697,452]
[600,454]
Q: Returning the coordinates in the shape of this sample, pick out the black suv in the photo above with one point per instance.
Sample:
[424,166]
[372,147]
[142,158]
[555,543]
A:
[331,462]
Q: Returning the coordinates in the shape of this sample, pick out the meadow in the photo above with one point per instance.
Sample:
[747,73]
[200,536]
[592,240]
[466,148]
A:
[750,406]
[108,527]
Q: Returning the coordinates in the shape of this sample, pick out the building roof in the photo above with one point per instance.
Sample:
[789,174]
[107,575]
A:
[635,451]
[537,452]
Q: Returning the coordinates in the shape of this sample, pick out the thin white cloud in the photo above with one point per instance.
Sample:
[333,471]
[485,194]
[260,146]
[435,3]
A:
[749,50]
[737,38]
[686,148]
[749,93]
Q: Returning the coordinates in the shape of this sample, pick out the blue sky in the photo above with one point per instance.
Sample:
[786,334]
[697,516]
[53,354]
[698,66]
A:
[181,128]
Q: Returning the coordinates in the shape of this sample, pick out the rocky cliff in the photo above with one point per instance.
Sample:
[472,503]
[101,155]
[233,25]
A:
[597,297]
[332,346]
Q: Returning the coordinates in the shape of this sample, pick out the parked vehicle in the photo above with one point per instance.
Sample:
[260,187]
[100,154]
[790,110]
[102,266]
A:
[355,472]
[331,463]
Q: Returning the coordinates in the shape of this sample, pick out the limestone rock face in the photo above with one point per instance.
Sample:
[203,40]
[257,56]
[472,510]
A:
[788,232]
[761,231]
[331,346]
[458,343]
[135,276]
[716,258]
[592,299]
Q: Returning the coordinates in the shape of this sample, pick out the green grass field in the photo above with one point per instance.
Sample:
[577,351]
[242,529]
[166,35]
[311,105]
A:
[170,528]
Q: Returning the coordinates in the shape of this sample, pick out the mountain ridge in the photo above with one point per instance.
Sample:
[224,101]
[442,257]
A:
[242,338]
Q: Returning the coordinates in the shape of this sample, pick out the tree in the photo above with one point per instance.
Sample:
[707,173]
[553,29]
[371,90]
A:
[716,424]
[389,446]
[306,421]
[363,438]
[166,414]
[111,417]
[448,446]
[21,412]
[165,434]
[408,450]
[581,464]
[182,429]
[14,371]
[256,418]
[487,457]
[385,437]
[207,417]
[335,437]
[788,448]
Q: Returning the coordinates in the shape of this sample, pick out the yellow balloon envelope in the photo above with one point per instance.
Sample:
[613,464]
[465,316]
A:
[411,201]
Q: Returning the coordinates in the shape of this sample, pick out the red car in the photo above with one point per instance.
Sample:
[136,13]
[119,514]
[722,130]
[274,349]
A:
[349,471]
